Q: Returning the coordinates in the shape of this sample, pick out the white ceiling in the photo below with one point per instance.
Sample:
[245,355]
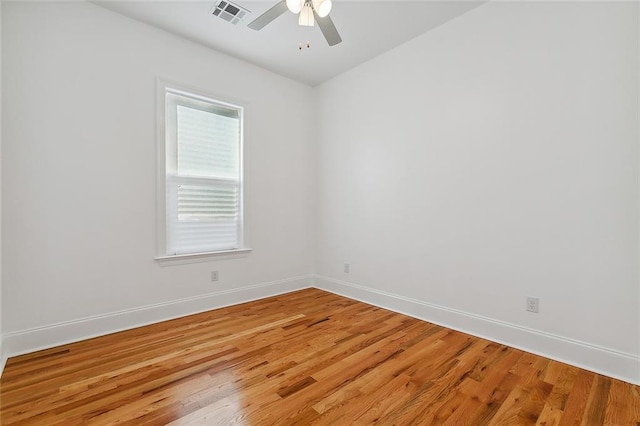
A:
[368,28]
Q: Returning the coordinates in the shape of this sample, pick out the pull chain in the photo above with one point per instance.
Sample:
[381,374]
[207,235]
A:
[308,45]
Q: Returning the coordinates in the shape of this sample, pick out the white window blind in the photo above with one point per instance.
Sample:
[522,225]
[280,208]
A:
[203,175]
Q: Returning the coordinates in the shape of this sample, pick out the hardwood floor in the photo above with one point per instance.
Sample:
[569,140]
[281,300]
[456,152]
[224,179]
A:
[308,357]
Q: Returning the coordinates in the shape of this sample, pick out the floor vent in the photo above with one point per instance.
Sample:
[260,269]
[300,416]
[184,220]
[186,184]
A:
[230,12]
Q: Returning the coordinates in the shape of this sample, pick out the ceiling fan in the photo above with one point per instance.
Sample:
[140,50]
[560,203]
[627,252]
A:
[308,11]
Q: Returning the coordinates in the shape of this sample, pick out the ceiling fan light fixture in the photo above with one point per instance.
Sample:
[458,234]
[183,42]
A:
[295,6]
[306,16]
[322,7]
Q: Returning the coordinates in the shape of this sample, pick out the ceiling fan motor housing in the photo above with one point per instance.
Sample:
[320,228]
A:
[321,7]
[310,11]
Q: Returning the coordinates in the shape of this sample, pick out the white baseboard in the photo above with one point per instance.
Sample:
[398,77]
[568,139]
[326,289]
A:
[25,341]
[3,357]
[590,357]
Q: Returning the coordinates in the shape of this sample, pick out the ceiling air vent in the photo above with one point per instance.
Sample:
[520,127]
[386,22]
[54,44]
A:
[230,12]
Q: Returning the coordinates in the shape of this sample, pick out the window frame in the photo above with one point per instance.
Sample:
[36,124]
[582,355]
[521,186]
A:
[162,256]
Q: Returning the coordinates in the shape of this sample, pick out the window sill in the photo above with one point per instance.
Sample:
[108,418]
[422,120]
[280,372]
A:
[180,259]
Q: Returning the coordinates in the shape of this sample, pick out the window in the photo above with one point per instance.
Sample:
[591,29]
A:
[202,176]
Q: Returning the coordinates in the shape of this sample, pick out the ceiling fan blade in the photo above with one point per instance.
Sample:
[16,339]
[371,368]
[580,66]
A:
[271,14]
[329,30]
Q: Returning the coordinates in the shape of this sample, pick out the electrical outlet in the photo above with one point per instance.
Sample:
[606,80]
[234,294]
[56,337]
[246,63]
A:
[214,275]
[347,268]
[533,304]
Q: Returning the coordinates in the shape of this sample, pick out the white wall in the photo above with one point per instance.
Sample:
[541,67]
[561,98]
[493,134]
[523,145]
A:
[490,159]
[2,355]
[79,185]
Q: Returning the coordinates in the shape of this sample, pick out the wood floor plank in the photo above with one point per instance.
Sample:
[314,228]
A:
[622,404]
[597,402]
[307,357]
[578,398]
